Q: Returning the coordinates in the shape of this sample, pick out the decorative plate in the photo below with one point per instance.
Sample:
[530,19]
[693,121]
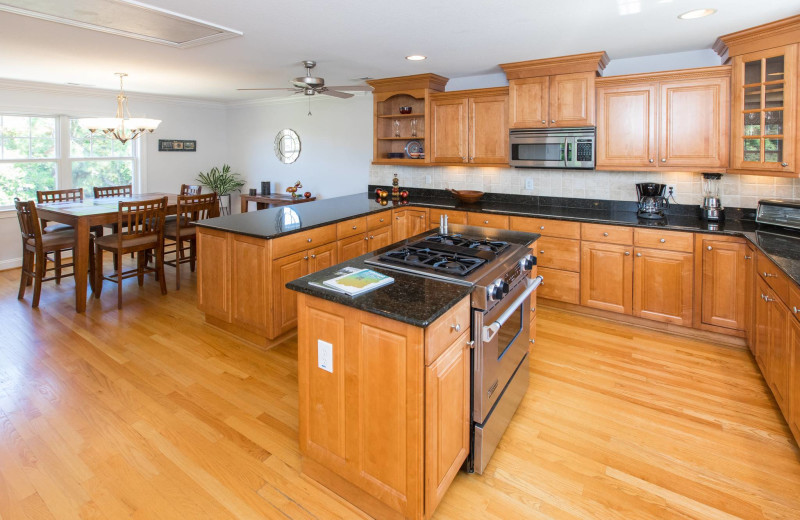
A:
[413,147]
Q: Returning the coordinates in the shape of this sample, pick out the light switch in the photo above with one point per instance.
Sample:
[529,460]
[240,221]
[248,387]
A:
[325,355]
[528,183]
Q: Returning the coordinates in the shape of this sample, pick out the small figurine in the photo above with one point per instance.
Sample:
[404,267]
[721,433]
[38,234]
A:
[293,189]
[395,187]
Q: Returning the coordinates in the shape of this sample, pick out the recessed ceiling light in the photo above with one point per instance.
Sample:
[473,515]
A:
[416,57]
[697,13]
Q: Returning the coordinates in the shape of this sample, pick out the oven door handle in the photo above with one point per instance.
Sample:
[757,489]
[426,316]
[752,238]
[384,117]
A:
[489,331]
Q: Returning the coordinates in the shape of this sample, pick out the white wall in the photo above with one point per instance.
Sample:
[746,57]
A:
[163,171]
[336,144]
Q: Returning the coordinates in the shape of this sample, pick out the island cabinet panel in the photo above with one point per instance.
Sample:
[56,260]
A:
[351,227]
[284,305]
[249,280]
[793,417]
[303,240]
[449,130]
[380,237]
[528,102]
[626,125]
[322,257]
[214,274]
[607,277]
[379,220]
[723,281]
[662,286]
[447,419]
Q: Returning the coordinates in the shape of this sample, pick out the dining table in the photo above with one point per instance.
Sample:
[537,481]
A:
[82,216]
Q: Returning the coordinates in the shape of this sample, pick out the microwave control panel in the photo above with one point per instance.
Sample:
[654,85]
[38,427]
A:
[584,152]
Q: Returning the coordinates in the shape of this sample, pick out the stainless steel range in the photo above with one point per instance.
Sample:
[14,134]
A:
[498,263]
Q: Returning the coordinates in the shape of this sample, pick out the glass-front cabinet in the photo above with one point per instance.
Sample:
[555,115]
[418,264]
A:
[764,114]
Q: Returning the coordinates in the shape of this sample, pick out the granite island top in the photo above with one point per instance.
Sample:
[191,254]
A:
[782,246]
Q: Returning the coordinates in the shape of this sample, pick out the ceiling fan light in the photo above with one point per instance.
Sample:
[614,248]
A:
[416,57]
[696,13]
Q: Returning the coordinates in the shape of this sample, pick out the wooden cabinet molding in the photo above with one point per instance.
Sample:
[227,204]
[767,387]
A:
[767,36]
[593,62]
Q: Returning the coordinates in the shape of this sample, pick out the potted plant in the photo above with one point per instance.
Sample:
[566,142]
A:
[223,182]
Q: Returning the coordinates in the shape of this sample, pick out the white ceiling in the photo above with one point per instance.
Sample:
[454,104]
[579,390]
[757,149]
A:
[357,38]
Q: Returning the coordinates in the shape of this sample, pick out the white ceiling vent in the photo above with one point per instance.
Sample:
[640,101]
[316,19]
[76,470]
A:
[124,18]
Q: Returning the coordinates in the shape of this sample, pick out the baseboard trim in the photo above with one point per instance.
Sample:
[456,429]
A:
[10,263]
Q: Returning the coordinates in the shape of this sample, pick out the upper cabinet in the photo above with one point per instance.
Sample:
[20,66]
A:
[555,92]
[469,127]
[764,111]
[394,129]
[677,120]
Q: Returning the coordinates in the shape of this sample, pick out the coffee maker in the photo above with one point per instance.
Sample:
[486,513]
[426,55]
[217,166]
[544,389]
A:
[652,203]
[712,209]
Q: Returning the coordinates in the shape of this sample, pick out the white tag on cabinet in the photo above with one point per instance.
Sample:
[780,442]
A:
[325,355]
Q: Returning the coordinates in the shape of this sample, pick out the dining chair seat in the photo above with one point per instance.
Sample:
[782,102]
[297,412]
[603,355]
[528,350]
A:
[110,241]
[57,240]
[171,230]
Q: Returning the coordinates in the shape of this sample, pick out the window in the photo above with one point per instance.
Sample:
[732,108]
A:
[54,152]
[27,157]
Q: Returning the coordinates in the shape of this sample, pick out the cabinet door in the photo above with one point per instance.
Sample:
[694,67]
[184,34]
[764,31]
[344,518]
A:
[750,297]
[607,277]
[380,237]
[626,125]
[724,284]
[662,286]
[763,113]
[214,274]
[778,354]
[528,102]
[694,123]
[352,247]
[400,225]
[447,142]
[490,220]
[453,216]
[761,325]
[488,130]
[284,301]
[558,253]
[322,257]
[793,417]
[447,419]
[417,222]
[572,99]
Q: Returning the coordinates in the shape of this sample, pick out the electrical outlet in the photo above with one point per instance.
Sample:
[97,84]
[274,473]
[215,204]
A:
[529,183]
[325,355]
[428,179]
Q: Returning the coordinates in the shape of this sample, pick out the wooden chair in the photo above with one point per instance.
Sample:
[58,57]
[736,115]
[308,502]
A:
[75,194]
[191,189]
[104,192]
[143,225]
[191,208]
[35,246]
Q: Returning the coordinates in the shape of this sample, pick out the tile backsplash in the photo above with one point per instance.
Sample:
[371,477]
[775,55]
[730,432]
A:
[738,191]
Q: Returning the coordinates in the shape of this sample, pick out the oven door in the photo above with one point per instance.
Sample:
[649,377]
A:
[501,342]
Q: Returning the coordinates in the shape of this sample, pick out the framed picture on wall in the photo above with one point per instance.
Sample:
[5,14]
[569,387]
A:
[174,145]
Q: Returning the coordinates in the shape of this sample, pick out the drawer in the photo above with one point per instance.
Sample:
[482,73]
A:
[558,253]
[563,286]
[378,220]
[547,227]
[774,277]
[302,240]
[610,234]
[794,300]
[488,220]
[453,216]
[446,329]
[659,239]
[351,227]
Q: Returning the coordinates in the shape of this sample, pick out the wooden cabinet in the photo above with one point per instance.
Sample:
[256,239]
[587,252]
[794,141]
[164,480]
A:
[453,216]
[392,130]
[553,92]
[772,348]
[490,220]
[380,237]
[662,286]
[351,247]
[382,426]
[249,279]
[364,234]
[677,120]
[750,299]
[213,278]
[793,417]
[408,222]
[470,127]
[607,277]
[722,282]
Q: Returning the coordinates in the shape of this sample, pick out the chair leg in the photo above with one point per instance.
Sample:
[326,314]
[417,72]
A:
[37,282]
[24,276]
[119,281]
[192,254]
[160,267]
[91,264]
[98,272]
[57,261]
[140,259]
[178,258]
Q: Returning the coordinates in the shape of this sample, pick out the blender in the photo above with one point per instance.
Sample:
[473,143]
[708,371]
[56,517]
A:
[712,209]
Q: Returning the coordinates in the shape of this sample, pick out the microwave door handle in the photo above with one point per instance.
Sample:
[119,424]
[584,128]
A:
[489,331]
[566,151]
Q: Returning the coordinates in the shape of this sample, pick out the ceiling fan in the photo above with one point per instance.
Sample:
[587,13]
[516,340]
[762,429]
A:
[310,85]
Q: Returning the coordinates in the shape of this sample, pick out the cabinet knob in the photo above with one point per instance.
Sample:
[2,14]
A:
[471,344]
[313,256]
[663,160]
[795,310]
[541,252]
[485,221]
[748,257]
[651,160]
[371,237]
[541,228]
[552,120]
[605,234]
[532,340]
[784,164]
[627,253]
[456,327]
[309,240]
[769,275]
[663,240]
[544,121]
[710,248]
[397,218]
[381,220]
[768,299]
[355,227]
[305,258]
[638,254]
[422,216]
[366,238]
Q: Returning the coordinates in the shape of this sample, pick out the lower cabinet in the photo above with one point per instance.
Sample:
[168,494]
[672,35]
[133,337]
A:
[772,348]
[723,279]
[607,277]
[662,286]
[488,220]
[379,425]
[352,247]
[793,417]
[408,222]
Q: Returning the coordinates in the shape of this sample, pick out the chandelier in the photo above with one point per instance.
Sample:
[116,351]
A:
[123,126]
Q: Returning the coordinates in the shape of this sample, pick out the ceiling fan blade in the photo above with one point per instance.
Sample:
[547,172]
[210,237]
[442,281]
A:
[334,93]
[266,89]
[353,88]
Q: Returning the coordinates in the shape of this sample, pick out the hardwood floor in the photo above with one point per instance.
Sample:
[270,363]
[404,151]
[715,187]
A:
[149,413]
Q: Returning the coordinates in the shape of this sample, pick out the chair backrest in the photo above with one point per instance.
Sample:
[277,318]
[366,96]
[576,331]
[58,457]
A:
[102,192]
[141,218]
[28,222]
[74,194]
[192,208]
[191,189]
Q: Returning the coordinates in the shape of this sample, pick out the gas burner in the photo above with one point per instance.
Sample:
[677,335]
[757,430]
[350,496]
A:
[480,244]
[442,261]
[495,246]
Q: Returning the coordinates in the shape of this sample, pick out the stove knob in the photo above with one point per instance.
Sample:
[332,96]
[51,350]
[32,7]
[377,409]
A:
[504,287]
[527,263]
[496,291]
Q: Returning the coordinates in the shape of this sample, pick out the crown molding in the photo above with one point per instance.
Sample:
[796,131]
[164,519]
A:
[434,82]
[719,71]
[318,98]
[588,62]
[76,91]
[765,36]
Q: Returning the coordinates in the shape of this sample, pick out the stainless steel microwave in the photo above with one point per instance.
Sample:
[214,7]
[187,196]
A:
[552,148]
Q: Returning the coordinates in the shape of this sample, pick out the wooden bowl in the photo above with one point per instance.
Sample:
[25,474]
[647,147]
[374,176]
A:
[468,196]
